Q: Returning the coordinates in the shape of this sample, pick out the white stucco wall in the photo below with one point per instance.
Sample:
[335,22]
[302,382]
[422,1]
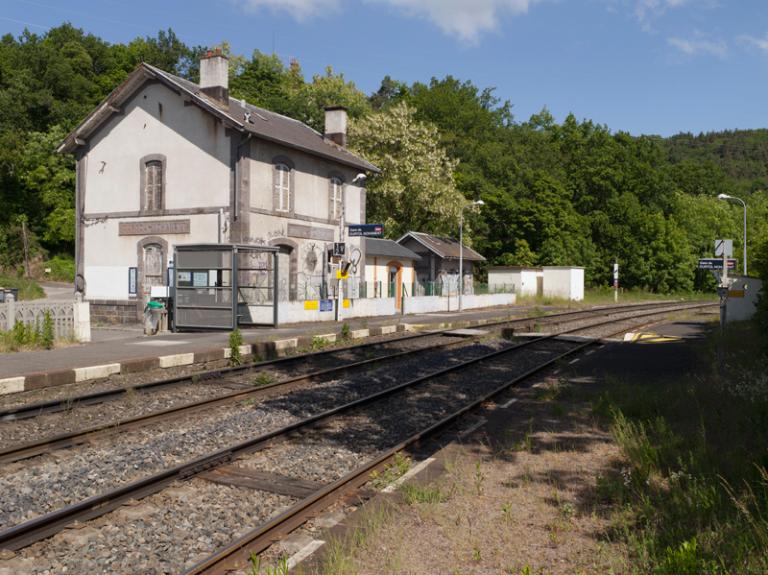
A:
[564,282]
[377,270]
[193,142]
[108,255]
[524,280]
[742,298]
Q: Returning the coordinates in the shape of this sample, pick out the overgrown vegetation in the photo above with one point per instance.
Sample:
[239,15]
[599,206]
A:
[555,193]
[235,341]
[40,335]
[694,497]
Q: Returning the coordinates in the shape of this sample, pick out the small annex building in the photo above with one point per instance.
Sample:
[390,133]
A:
[565,282]
[388,265]
[439,263]
[524,281]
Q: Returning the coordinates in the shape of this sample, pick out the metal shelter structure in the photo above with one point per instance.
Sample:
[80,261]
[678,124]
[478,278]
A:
[222,286]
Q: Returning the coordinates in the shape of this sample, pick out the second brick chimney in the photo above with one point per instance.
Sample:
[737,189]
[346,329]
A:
[214,76]
[336,125]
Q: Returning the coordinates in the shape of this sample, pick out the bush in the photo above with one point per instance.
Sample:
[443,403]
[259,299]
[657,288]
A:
[62,268]
[47,335]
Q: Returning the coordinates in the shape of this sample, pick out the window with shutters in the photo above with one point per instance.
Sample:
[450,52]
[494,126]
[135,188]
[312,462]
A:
[282,194]
[335,198]
[152,183]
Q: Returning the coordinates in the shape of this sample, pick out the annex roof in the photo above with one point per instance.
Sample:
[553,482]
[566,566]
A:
[388,248]
[445,247]
[237,114]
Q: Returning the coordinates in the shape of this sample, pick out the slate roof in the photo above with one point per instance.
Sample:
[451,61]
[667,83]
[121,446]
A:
[238,114]
[444,247]
[389,248]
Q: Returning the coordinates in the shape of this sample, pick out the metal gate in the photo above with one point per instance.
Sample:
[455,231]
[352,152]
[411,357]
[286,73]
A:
[221,286]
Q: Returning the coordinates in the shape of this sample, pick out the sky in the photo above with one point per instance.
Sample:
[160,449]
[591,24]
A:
[641,66]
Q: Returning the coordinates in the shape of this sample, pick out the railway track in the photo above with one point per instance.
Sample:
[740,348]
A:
[307,361]
[322,365]
[24,534]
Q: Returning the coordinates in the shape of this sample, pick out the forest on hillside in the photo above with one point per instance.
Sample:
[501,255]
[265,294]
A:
[555,193]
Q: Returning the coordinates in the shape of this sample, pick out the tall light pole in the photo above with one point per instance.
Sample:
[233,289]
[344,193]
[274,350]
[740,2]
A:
[743,203]
[461,248]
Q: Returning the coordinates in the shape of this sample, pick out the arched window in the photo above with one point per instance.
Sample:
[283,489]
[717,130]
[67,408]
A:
[282,195]
[335,198]
[153,183]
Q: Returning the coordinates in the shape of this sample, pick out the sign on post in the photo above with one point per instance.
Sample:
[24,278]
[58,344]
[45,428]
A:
[365,230]
[715,264]
[616,275]
[724,248]
[339,248]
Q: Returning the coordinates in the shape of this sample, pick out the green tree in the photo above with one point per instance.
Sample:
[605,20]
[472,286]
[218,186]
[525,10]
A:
[416,189]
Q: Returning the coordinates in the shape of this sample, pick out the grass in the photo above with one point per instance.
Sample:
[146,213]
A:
[263,378]
[341,554]
[391,472]
[235,341]
[26,337]
[604,296]
[693,495]
[28,288]
[429,494]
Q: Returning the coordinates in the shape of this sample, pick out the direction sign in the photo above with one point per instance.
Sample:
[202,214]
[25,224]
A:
[724,248]
[366,230]
[715,264]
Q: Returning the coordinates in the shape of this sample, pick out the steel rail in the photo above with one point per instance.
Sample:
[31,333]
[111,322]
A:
[53,406]
[24,534]
[74,438]
[71,439]
[236,554]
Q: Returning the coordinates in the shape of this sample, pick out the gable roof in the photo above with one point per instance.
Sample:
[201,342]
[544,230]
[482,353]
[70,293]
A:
[444,247]
[238,114]
[389,248]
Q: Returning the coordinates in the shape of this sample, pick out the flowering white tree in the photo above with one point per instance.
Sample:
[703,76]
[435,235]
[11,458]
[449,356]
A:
[416,188]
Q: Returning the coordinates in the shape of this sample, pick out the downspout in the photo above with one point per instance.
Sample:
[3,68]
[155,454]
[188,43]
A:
[236,194]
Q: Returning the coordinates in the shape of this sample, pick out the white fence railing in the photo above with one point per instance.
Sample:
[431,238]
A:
[70,319]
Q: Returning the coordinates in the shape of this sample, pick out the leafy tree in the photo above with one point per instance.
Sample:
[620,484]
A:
[415,190]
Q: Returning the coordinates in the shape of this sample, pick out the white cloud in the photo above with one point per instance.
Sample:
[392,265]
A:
[465,19]
[299,9]
[761,43]
[646,9]
[696,46]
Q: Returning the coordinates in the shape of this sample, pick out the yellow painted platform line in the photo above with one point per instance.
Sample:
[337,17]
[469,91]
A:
[640,337]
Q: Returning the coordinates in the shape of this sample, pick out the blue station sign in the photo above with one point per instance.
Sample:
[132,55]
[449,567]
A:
[715,264]
[366,230]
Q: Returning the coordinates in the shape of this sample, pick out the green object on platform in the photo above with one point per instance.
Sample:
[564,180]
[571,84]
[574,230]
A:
[156,305]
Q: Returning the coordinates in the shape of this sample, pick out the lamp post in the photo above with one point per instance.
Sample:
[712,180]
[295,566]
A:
[743,203]
[461,248]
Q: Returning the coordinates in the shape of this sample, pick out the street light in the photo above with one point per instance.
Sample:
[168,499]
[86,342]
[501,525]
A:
[461,248]
[743,203]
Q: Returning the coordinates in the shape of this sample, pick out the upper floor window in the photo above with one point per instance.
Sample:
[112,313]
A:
[282,194]
[153,183]
[335,197]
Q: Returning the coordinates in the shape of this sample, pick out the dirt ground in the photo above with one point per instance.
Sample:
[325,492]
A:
[525,502]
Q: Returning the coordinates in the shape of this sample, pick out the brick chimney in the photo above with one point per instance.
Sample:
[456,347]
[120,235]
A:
[336,125]
[214,76]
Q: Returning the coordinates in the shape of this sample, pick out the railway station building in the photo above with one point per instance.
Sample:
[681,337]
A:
[163,161]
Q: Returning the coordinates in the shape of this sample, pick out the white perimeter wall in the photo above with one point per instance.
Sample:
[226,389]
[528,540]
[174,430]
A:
[294,311]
